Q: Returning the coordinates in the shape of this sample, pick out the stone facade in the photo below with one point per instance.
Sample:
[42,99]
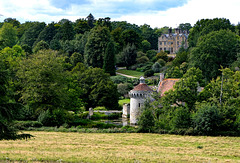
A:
[173,41]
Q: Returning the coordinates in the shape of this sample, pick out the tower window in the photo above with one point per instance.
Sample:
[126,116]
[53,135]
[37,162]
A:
[139,105]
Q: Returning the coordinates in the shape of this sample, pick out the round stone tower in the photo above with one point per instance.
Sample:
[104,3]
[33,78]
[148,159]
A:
[137,98]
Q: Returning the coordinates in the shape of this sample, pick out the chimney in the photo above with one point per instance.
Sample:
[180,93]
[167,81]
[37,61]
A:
[177,31]
[170,31]
[161,77]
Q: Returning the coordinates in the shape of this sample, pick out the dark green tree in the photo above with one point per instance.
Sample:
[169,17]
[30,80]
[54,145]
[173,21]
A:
[96,45]
[47,34]
[9,109]
[66,30]
[131,37]
[90,20]
[110,59]
[31,33]
[99,89]
[129,55]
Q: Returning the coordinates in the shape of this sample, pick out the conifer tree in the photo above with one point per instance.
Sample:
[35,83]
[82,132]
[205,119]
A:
[109,59]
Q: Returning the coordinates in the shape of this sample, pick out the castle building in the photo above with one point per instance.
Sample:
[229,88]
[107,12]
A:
[173,41]
[138,96]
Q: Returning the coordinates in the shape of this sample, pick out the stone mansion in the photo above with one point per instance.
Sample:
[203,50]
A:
[173,41]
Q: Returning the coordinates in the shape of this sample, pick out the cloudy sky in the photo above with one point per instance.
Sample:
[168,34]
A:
[156,13]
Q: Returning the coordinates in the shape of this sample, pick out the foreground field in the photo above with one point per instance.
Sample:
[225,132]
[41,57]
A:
[120,147]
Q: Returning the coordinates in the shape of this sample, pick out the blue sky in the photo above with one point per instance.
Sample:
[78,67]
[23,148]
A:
[156,13]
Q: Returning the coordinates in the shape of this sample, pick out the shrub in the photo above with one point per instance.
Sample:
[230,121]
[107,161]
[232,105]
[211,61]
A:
[146,121]
[100,108]
[148,73]
[156,67]
[97,116]
[21,125]
[207,119]
[181,118]
[55,117]
[161,62]
[142,59]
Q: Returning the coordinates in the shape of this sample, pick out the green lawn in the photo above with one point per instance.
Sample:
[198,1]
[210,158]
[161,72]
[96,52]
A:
[121,102]
[131,73]
[119,147]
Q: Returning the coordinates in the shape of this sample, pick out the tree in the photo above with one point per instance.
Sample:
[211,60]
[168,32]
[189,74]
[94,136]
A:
[47,34]
[98,89]
[218,48]
[185,90]
[66,30]
[43,81]
[96,45]
[149,34]
[8,36]
[81,26]
[207,119]
[8,108]
[206,26]
[110,59]
[129,55]
[12,21]
[131,37]
[90,20]
[31,34]
[185,26]
[40,46]
[146,46]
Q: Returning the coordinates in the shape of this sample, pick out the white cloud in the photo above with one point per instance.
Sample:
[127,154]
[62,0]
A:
[191,12]
[43,10]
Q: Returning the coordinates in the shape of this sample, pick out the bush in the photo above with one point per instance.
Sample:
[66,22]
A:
[100,108]
[181,118]
[161,62]
[142,59]
[207,119]
[156,67]
[21,125]
[146,121]
[55,117]
[97,116]
[148,73]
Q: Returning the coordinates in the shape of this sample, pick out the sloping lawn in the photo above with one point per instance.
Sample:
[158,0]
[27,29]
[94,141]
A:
[131,73]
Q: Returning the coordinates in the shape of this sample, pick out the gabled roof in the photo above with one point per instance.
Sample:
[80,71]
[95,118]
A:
[142,87]
[166,85]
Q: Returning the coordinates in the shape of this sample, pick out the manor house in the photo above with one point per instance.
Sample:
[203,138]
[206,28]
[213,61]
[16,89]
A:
[172,42]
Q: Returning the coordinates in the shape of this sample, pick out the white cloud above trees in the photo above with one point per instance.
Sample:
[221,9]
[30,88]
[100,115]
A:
[157,13]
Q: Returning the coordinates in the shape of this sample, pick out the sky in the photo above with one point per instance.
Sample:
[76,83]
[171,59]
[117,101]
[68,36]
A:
[156,13]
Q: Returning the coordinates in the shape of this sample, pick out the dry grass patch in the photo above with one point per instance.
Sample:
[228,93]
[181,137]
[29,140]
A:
[120,147]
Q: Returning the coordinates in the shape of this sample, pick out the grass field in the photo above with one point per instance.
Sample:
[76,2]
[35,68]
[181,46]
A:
[120,147]
[131,72]
[121,102]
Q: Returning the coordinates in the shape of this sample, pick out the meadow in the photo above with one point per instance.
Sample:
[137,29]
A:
[120,147]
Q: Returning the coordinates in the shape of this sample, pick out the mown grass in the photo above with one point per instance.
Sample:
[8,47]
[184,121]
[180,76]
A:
[121,102]
[131,72]
[120,147]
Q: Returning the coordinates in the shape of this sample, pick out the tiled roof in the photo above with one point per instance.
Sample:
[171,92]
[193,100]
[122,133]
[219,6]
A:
[142,87]
[166,85]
